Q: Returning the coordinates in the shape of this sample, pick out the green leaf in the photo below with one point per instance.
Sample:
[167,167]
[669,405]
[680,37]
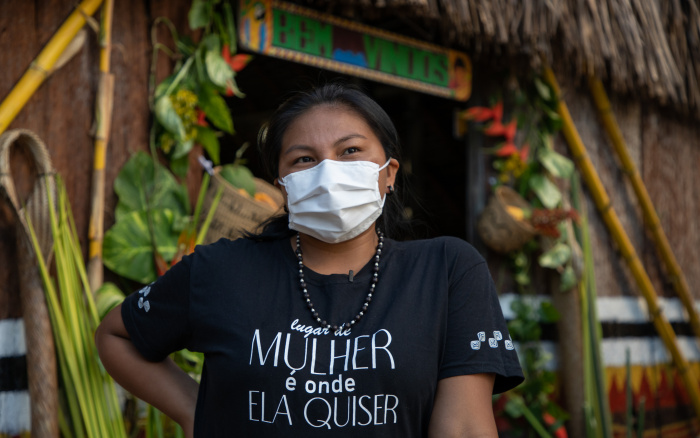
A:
[239,176]
[568,279]
[557,256]
[141,186]
[166,115]
[230,27]
[543,90]
[127,248]
[199,15]
[182,148]
[212,43]
[215,107]
[165,83]
[180,166]
[548,313]
[218,70]
[514,408]
[546,191]
[108,296]
[557,164]
[210,142]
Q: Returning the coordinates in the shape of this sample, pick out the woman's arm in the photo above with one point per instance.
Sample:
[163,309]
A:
[463,408]
[161,384]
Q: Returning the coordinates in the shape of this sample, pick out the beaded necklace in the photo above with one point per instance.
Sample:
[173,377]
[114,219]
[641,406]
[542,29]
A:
[368,299]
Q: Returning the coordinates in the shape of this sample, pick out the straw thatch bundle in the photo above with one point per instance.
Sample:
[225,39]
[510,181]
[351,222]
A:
[647,47]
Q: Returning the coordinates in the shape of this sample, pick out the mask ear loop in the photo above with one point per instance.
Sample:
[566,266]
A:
[385,164]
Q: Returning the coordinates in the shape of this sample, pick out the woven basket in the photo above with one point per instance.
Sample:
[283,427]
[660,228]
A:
[497,228]
[238,213]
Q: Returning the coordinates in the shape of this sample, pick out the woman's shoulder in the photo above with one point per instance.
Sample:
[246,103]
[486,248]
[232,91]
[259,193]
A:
[450,249]
[240,248]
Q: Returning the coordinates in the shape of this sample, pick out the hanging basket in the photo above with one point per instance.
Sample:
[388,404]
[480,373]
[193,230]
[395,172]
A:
[498,229]
[237,212]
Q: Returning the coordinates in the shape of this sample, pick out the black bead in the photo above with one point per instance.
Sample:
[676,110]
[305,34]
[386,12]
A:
[335,328]
[365,307]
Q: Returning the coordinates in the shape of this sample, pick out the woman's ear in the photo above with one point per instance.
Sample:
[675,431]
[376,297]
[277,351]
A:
[391,171]
[277,184]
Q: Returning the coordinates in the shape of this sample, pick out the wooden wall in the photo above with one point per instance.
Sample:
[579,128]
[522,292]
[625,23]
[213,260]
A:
[666,150]
[61,111]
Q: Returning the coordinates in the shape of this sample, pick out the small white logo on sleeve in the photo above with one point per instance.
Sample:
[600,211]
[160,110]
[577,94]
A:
[493,342]
[145,305]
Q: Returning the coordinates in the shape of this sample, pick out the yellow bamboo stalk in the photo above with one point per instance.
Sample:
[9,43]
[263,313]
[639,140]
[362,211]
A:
[651,218]
[103,119]
[41,67]
[602,201]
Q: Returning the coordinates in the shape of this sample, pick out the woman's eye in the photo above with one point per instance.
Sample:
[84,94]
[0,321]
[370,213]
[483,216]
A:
[303,160]
[351,150]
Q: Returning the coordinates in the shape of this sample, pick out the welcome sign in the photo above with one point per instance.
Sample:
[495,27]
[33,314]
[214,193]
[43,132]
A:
[306,36]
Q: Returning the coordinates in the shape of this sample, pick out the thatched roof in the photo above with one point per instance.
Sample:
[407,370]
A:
[647,46]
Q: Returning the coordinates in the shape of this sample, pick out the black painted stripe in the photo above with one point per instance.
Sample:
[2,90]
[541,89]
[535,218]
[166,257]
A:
[13,373]
[614,330]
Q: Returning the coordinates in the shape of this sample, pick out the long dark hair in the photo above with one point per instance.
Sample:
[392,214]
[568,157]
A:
[393,221]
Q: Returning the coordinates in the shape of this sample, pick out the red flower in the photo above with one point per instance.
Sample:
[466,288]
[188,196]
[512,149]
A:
[495,129]
[524,152]
[478,114]
[509,131]
[507,150]
[201,116]
[236,62]
[498,112]
[549,420]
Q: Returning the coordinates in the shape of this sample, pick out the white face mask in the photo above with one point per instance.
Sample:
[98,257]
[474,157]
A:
[334,201]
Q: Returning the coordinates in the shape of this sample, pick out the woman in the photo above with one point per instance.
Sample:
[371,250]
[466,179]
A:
[322,325]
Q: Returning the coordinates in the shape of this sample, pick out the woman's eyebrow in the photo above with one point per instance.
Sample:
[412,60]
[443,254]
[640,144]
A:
[297,147]
[348,137]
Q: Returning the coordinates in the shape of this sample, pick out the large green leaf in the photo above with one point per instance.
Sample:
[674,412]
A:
[141,186]
[218,70]
[239,176]
[166,115]
[107,297]
[557,164]
[556,256]
[200,14]
[210,142]
[546,191]
[127,248]
[215,107]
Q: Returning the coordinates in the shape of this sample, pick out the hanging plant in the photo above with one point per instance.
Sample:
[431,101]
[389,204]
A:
[530,212]
[188,105]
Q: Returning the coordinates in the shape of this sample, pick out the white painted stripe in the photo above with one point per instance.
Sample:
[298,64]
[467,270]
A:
[12,338]
[15,409]
[643,351]
[613,309]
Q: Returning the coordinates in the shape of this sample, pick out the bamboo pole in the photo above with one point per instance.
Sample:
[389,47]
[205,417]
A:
[651,218]
[41,67]
[103,119]
[602,201]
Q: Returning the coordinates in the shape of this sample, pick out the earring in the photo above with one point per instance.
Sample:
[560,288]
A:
[391,190]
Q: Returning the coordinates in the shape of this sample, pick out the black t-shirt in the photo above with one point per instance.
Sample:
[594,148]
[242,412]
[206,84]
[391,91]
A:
[271,371]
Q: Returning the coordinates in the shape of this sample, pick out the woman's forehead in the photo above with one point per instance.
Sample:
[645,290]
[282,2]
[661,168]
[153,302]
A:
[324,123]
